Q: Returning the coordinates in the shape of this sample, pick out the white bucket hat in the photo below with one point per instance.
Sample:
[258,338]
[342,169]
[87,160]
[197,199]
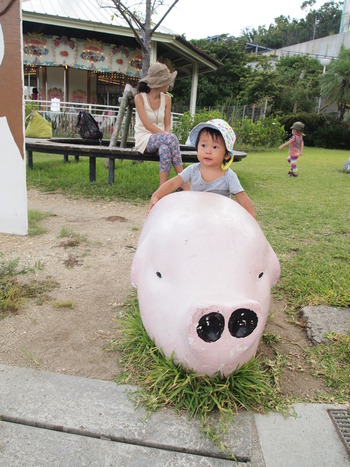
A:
[226,131]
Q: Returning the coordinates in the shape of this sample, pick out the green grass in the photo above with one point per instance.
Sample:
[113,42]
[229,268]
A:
[332,362]
[133,182]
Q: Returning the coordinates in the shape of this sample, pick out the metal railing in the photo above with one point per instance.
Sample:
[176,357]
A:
[64,115]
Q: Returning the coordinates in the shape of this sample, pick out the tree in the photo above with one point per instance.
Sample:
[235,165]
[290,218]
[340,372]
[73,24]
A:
[299,78]
[286,31]
[141,23]
[260,84]
[217,89]
[335,84]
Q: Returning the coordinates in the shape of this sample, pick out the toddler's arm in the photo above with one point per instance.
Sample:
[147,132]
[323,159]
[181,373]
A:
[243,199]
[165,189]
[287,143]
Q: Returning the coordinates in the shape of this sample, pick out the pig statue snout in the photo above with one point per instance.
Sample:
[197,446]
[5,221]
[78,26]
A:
[204,270]
[241,323]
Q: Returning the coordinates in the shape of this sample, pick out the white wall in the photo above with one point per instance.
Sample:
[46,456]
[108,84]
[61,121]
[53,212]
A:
[13,190]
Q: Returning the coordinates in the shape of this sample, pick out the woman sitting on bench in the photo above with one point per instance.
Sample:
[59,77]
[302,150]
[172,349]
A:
[153,120]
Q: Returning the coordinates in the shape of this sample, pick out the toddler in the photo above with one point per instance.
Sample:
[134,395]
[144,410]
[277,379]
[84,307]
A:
[296,146]
[214,142]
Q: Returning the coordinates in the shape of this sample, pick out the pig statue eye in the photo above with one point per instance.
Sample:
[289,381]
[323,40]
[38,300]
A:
[242,322]
[260,275]
[159,274]
[211,326]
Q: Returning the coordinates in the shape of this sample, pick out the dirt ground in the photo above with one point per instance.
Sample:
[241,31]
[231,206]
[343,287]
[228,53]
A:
[94,276]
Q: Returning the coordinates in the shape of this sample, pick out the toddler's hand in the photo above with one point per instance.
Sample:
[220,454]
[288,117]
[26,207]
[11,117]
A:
[153,201]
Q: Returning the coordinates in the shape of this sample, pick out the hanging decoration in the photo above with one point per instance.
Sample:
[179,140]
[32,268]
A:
[88,54]
[36,49]
[64,51]
[120,59]
[92,56]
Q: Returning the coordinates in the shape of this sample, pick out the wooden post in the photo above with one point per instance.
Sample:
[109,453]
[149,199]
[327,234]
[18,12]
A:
[127,122]
[30,159]
[111,170]
[92,169]
[128,95]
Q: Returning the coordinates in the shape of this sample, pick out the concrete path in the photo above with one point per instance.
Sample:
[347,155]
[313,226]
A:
[49,419]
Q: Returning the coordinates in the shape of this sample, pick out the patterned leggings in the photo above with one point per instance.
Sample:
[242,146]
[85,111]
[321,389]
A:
[168,149]
[292,161]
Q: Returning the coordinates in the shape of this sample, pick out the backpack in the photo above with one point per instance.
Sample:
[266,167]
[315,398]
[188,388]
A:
[88,127]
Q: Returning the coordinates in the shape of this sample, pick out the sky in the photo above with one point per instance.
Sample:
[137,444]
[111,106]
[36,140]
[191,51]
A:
[198,19]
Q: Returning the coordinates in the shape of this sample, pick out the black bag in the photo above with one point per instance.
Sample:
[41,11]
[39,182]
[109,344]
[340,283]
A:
[88,127]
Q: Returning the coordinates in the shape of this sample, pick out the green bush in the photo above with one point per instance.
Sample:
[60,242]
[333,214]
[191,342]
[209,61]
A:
[187,121]
[29,108]
[332,137]
[265,133]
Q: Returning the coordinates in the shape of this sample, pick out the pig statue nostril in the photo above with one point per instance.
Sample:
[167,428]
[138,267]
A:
[242,322]
[210,327]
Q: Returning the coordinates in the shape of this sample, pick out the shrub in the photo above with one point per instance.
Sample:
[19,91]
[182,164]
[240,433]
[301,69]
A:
[29,108]
[265,133]
[332,137]
[187,121]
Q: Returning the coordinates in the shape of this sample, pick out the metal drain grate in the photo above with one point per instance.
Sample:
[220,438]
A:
[341,421]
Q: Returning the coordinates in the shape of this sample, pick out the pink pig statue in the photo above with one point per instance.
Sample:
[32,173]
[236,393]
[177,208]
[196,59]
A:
[203,271]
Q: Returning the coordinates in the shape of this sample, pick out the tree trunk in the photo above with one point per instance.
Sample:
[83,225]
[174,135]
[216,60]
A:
[147,38]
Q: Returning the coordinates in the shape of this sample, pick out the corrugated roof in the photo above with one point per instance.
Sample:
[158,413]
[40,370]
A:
[81,10]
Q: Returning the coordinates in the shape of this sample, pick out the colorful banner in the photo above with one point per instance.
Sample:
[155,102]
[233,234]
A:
[88,54]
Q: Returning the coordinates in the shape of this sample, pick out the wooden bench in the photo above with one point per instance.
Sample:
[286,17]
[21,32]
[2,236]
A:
[87,148]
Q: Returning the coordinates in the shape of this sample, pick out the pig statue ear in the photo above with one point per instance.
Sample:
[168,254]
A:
[274,266]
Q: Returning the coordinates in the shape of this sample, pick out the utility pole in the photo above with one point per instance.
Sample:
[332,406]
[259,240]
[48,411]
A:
[315,24]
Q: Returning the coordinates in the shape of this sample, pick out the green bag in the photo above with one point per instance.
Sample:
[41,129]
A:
[38,127]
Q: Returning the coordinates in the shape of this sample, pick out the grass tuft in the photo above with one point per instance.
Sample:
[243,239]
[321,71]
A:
[34,222]
[73,239]
[13,292]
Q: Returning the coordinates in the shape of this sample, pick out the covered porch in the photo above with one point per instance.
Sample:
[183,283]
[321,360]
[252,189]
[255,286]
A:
[84,56]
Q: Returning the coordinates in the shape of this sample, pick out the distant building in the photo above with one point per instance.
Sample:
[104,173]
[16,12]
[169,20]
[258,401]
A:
[325,49]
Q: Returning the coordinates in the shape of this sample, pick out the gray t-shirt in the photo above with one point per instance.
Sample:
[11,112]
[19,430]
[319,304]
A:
[226,185]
